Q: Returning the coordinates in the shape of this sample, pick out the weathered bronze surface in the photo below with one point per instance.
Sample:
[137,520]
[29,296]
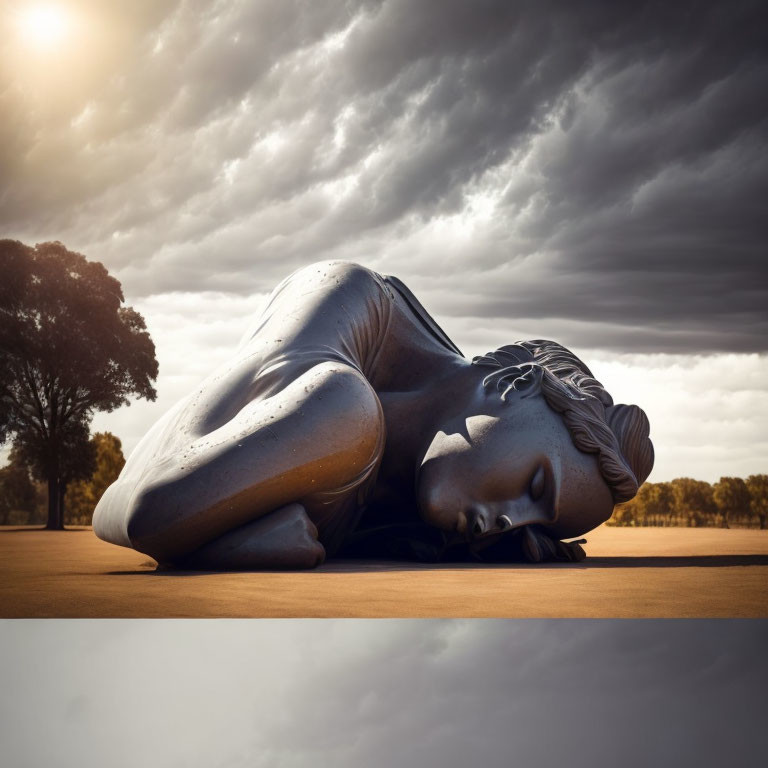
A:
[349,424]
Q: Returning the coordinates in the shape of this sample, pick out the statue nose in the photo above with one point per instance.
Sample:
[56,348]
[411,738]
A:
[482,520]
[477,522]
[504,522]
[522,511]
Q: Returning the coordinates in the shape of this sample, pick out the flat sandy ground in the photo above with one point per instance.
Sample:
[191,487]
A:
[650,572]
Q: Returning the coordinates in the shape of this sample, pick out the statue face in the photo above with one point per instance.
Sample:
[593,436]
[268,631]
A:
[505,464]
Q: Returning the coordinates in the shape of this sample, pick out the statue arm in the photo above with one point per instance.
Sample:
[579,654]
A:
[313,436]
[285,539]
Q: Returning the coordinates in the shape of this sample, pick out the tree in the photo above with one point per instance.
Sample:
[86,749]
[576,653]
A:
[757,485]
[17,491]
[83,496]
[624,514]
[732,498]
[67,349]
[657,502]
[692,500]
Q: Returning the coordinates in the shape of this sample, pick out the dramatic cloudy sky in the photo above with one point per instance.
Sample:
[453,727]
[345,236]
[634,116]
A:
[417,694]
[594,173]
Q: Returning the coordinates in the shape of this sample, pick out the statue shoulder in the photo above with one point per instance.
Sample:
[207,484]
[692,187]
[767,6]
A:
[332,271]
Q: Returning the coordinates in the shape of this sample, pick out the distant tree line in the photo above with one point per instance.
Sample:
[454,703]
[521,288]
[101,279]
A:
[24,495]
[730,502]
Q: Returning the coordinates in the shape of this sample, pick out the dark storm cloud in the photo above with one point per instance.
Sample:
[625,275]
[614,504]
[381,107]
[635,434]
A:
[600,164]
[412,693]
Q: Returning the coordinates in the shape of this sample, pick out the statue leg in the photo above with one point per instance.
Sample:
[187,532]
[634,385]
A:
[285,539]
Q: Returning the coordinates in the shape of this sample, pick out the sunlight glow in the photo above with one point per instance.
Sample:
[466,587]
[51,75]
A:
[44,25]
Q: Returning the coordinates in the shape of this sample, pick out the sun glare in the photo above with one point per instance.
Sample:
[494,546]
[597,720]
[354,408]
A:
[44,25]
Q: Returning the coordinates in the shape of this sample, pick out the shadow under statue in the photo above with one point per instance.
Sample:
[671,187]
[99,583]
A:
[348,424]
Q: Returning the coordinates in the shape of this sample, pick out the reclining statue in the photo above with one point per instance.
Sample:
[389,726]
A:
[349,424]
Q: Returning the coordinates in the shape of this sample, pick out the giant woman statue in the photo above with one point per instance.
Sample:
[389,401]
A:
[349,424]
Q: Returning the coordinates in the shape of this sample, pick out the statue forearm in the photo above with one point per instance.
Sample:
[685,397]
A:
[285,539]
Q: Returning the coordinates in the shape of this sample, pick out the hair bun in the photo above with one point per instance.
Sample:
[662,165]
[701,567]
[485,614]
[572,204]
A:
[630,425]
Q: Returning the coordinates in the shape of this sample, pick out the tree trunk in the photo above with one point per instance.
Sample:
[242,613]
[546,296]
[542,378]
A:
[62,497]
[55,517]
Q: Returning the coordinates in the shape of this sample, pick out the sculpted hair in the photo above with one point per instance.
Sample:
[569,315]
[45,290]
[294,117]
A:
[618,434]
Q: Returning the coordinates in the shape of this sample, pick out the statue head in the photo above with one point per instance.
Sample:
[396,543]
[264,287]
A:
[541,442]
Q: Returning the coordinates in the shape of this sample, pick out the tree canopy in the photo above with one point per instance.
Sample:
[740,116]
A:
[68,348]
